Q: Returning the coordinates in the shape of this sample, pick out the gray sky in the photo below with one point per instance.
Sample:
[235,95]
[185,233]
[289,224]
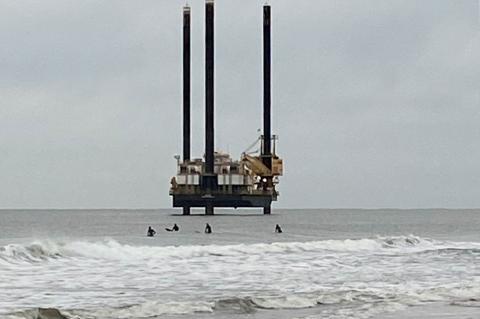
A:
[376,102]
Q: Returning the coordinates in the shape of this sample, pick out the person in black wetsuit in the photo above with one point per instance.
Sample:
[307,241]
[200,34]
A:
[208,229]
[151,232]
[174,228]
[278,229]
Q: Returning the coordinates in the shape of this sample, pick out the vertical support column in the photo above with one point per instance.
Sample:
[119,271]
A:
[209,179]
[209,210]
[186,89]
[186,83]
[267,129]
[267,99]
[267,210]
[209,87]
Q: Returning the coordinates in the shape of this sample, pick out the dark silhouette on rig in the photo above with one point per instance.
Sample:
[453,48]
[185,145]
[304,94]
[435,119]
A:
[219,181]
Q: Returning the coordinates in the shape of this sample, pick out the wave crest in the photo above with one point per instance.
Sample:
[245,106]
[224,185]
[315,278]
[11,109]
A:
[35,252]
[40,251]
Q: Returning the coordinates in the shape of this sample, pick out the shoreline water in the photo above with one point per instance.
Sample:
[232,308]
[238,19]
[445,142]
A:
[325,265]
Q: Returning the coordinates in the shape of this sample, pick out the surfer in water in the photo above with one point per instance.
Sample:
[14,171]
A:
[278,229]
[208,229]
[174,228]
[151,232]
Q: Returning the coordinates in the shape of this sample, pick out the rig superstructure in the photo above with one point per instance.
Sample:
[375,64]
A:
[217,180]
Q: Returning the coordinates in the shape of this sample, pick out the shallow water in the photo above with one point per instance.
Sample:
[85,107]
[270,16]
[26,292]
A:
[326,264]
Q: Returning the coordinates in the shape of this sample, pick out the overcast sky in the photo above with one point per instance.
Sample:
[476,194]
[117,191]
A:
[376,102]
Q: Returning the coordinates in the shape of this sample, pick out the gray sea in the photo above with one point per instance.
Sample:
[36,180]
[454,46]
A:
[91,264]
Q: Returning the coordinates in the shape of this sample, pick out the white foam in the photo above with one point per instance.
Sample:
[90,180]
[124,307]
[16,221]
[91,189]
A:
[285,302]
[143,281]
[150,309]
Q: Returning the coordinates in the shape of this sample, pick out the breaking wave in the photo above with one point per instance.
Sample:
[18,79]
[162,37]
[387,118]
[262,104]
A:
[370,274]
[35,252]
[41,251]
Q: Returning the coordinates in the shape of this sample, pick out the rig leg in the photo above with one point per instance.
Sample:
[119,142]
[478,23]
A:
[209,210]
[186,210]
[267,210]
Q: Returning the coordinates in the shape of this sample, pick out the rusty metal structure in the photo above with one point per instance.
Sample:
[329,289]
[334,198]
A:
[218,180]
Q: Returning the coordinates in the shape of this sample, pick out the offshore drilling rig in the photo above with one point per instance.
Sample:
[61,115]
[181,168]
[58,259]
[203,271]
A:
[217,180]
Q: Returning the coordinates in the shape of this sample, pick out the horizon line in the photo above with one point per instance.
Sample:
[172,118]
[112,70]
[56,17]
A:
[242,208]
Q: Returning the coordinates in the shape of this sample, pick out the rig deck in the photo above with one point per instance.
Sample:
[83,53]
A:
[245,183]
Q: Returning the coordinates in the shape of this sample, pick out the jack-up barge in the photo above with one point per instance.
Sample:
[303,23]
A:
[217,180]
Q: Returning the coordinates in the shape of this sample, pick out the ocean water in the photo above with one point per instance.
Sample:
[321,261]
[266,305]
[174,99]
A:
[326,264]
